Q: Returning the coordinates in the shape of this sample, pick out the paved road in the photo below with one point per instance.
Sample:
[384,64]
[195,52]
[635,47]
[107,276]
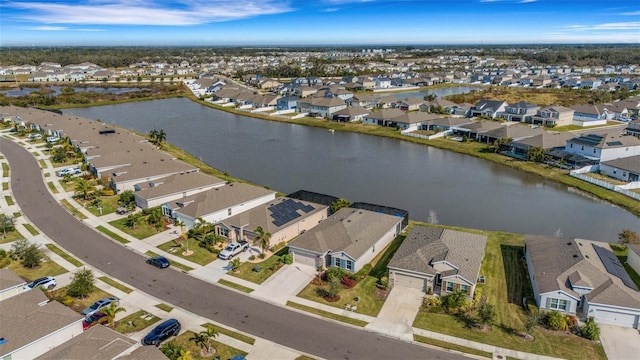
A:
[295,330]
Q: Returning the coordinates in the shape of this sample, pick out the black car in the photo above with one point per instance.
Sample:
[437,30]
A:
[161,332]
[160,262]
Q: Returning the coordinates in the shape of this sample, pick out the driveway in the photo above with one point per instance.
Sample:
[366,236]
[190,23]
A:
[285,283]
[620,343]
[398,312]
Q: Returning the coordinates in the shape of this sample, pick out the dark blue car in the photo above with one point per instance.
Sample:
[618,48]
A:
[160,262]
[168,328]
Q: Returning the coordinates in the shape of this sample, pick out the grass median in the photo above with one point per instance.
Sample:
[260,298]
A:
[112,235]
[327,314]
[173,263]
[115,284]
[75,262]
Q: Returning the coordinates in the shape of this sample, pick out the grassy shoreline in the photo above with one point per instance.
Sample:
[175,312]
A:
[468,148]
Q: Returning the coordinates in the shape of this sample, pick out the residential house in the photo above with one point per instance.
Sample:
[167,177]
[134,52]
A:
[633,128]
[438,104]
[552,116]
[32,325]
[217,204]
[154,193]
[304,91]
[382,83]
[439,261]
[521,111]
[590,115]
[351,114]
[321,107]
[581,277]
[472,130]
[287,103]
[348,239]
[364,100]
[604,147]
[513,132]
[488,108]
[382,117]
[547,141]
[633,257]
[284,218]
[387,101]
[411,121]
[444,123]
[410,104]
[626,169]
[619,110]
[10,284]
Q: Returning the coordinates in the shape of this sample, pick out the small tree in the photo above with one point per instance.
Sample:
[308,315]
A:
[454,301]
[234,264]
[126,197]
[590,330]
[334,287]
[31,256]
[133,220]
[209,334]
[263,238]
[185,355]
[533,319]
[85,188]
[82,284]
[500,143]
[171,350]
[7,223]
[111,312]
[486,314]
[339,204]
[18,247]
[628,236]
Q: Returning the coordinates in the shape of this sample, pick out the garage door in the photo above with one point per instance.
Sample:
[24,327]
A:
[617,319]
[408,281]
[305,259]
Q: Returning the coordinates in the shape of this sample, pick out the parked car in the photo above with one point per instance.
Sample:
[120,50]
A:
[160,262]
[34,136]
[93,319]
[99,305]
[46,282]
[53,139]
[233,249]
[168,328]
[69,171]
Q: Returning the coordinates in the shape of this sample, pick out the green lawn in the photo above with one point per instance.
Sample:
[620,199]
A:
[77,304]
[72,209]
[507,282]
[31,229]
[47,268]
[328,315]
[10,237]
[234,286]
[52,187]
[111,234]
[222,351]
[450,346]
[245,271]
[115,284]
[43,164]
[9,200]
[370,303]
[5,186]
[64,255]
[200,255]
[5,170]
[173,263]
[109,205]
[137,321]
[230,333]
[142,231]
[164,307]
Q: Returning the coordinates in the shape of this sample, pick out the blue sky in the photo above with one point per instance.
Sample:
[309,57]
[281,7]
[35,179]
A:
[316,22]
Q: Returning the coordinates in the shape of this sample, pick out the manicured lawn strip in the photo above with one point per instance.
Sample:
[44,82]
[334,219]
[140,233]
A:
[507,282]
[200,255]
[369,303]
[46,268]
[137,321]
[52,187]
[112,235]
[450,346]
[72,209]
[222,351]
[234,286]
[232,334]
[304,357]
[5,186]
[43,164]
[9,200]
[173,263]
[326,314]
[142,230]
[109,205]
[31,229]
[5,170]
[64,255]
[164,307]
[10,237]
[245,271]
[115,284]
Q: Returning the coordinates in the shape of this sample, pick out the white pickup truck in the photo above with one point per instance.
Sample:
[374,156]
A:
[233,249]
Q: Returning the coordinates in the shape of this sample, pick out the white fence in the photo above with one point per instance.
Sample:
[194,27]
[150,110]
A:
[622,189]
[427,137]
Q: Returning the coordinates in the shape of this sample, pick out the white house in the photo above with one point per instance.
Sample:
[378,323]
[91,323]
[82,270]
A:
[154,193]
[604,147]
[10,284]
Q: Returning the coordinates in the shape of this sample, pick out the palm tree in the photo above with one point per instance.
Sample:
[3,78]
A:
[201,226]
[185,355]
[111,312]
[161,137]
[210,333]
[181,224]
[262,238]
[234,264]
[172,350]
[84,188]
[199,339]
[133,220]
[153,136]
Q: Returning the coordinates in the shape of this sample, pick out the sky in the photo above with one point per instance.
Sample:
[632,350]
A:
[316,22]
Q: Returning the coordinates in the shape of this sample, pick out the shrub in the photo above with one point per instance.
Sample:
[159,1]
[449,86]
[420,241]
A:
[68,300]
[383,283]
[590,330]
[278,246]
[334,273]
[287,259]
[3,253]
[557,321]
[82,283]
[107,192]
[261,255]
[252,257]
[360,275]
[348,282]
[432,301]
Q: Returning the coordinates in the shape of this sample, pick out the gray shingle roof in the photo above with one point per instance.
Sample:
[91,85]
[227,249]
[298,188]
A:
[9,279]
[176,183]
[631,164]
[353,231]
[426,245]
[220,198]
[97,343]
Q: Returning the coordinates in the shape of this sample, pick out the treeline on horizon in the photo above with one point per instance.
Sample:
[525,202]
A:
[116,57]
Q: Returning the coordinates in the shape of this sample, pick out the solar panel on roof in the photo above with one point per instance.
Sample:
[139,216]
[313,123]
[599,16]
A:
[614,143]
[614,266]
[287,210]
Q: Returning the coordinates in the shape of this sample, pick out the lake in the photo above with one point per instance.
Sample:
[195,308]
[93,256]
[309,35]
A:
[454,188]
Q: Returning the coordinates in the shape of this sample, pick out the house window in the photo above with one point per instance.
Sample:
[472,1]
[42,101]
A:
[229,212]
[349,265]
[337,262]
[557,304]
[449,286]
[464,288]
[224,232]
[594,151]
[570,145]
[582,148]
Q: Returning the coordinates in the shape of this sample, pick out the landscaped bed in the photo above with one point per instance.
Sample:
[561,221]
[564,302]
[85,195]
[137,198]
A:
[78,304]
[137,321]
[258,272]
[46,268]
[222,351]
[199,255]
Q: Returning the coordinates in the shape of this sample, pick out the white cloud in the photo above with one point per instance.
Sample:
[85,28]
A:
[527,1]
[630,13]
[633,25]
[146,12]
[59,28]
